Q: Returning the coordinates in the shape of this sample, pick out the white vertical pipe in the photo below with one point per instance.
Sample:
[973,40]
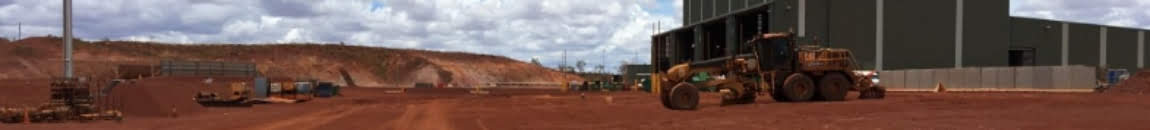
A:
[1065,44]
[958,37]
[879,16]
[802,18]
[1102,48]
[687,15]
[1141,49]
[68,39]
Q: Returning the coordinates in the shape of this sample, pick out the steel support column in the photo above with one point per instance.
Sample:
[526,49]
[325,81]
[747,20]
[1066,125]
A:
[1065,44]
[68,72]
[879,16]
[958,30]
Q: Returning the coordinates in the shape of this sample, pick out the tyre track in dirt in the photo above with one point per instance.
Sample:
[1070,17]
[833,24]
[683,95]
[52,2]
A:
[313,120]
[30,67]
[432,115]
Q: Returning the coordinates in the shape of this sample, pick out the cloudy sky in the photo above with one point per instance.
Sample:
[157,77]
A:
[521,29]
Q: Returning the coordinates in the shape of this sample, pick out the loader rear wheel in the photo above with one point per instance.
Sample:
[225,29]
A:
[798,88]
[872,93]
[777,94]
[833,87]
[665,92]
[683,97]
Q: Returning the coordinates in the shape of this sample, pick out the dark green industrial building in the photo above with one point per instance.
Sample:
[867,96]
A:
[901,34]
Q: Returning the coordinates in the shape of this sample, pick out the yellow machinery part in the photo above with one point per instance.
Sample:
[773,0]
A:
[566,86]
[656,83]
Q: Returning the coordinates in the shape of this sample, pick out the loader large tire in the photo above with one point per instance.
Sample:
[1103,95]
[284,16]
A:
[683,97]
[664,93]
[777,94]
[798,88]
[833,87]
[872,93]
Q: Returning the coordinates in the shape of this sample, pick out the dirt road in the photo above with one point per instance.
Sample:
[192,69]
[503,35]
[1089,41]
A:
[429,116]
[450,110]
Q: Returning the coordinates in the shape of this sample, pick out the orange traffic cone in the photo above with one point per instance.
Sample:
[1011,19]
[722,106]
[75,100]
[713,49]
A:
[939,88]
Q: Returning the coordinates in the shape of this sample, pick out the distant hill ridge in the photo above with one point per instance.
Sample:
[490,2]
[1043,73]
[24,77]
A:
[39,57]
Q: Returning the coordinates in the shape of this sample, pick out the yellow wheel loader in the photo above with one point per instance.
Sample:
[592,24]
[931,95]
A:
[775,66]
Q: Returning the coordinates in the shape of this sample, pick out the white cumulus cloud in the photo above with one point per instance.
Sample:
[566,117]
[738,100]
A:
[521,29]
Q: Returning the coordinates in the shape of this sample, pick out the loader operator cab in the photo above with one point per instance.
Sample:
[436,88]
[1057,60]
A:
[774,51]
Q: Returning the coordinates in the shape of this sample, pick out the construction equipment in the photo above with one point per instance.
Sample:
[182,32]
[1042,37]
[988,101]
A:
[776,66]
[238,97]
[71,100]
[326,89]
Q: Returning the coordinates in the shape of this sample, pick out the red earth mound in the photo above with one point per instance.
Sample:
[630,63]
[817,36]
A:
[36,57]
[1137,84]
[156,97]
[23,93]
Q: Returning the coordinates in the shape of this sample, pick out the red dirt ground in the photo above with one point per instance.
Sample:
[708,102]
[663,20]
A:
[1137,84]
[371,108]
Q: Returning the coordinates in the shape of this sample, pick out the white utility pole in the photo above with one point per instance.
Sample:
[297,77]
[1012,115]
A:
[564,64]
[19,30]
[68,39]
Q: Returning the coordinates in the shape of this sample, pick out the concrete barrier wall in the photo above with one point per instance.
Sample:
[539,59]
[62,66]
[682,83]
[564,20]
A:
[993,78]
[897,79]
[1023,77]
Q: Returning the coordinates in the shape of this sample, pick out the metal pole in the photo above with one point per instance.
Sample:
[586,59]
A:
[68,38]
[19,30]
[879,19]
[958,33]
[564,64]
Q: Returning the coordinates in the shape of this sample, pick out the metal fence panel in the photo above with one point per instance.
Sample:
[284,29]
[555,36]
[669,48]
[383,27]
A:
[989,78]
[1043,77]
[971,77]
[955,78]
[1084,77]
[926,77]
[197,68]
[1024,77]
[913,77]
[1062,77]
[1006,77]
[260,87]
[892,79]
